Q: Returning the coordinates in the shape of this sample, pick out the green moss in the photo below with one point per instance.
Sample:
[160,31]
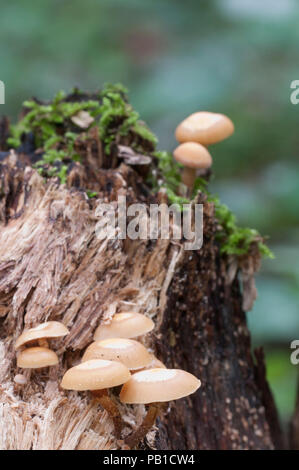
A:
[55,134]
[168,178]
[49,124]
[91,194]
[117,113]
[235,240]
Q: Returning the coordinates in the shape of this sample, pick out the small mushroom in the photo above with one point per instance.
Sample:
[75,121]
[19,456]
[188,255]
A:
[97,375]
[152,387]
[35,358]
[124,325]
[127,351]
[193,156]
[20,379]
[50,329]
[204,127]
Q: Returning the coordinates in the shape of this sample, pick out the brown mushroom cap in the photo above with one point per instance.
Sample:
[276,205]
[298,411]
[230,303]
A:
[50,329]
[158,385]
[205,128]
[193,155]
[34,358]
[131,353]
[95,374]
[124,325]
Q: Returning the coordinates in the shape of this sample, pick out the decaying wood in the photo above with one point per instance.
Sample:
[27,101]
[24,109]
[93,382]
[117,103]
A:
[54,267]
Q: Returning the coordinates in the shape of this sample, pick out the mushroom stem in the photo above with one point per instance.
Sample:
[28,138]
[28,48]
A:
[102,397]
[148,421]
[188,178]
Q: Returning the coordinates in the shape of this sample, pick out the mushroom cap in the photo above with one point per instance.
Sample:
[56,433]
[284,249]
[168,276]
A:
[205,128]
[34,358]
[124,325]
[20,379]
[158,385]
[131,353]
[50,329]
[193,155]
[155,364]
[95,374]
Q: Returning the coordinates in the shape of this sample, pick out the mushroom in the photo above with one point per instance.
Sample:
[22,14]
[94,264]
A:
[128,351]
[35,358]
[204,127]
[155,364]
[97,375]
[20,379]
[152,387]
[125,325]
[50,329]
[193,156]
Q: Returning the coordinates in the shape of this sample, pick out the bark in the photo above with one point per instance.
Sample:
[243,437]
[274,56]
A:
[294,428]
[54,267]
[207,335]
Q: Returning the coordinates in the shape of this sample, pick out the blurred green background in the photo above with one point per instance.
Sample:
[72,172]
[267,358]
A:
[233,56]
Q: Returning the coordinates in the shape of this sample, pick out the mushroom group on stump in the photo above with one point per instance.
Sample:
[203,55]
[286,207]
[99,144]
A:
[194,134]
[152,387]
[98,375]
[109,362]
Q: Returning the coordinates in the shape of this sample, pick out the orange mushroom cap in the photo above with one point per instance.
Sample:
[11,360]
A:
[131,353]
[95,374]
[193,155]
[124,325]
[35,358]
[158,385]
[50,329]
[205,128]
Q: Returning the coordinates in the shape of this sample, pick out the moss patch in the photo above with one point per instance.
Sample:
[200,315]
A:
[55,133]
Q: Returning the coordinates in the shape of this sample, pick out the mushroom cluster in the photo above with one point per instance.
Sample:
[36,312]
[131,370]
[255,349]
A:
[38,354]
[195,133]
[114,359]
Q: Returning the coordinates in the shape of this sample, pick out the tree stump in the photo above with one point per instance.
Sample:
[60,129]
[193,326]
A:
[54,267]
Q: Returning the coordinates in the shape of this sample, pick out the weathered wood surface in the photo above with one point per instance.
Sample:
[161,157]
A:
[53,267]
